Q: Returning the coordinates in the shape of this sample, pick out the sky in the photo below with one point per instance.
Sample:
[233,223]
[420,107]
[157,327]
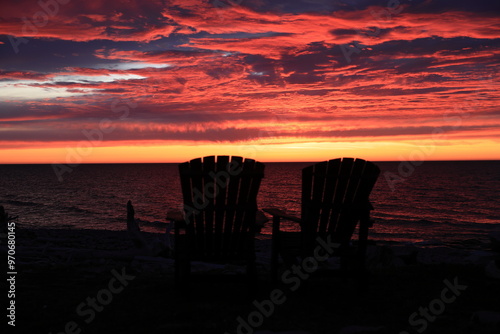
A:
[274,80]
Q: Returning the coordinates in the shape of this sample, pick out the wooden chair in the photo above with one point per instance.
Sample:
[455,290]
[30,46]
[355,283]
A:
[335,196]
[218,221]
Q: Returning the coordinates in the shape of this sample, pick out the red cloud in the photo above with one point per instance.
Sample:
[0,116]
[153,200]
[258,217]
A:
[237,75]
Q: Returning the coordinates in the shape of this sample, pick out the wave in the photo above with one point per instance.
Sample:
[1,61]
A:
[77,210]
[22,203]
[399,221]
[155,223]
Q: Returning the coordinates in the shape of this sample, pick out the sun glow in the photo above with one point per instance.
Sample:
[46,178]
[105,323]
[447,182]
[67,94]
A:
[306,151]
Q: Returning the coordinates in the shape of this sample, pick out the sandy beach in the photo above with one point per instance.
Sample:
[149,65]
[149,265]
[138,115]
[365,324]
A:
[89,281]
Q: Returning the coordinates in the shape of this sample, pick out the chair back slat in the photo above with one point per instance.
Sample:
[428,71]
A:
[222,181]
[331,178]
[250,216]
[220,203]
[370,175]
[317,194]
[187,196]
[244,206]
[209,191]
[332,194]
[349,215]
[230,208]
[307,182]
[340,191]
[199,201]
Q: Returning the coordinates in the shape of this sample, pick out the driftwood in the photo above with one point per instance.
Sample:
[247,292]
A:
[4,219]
[147,248]
[133,229]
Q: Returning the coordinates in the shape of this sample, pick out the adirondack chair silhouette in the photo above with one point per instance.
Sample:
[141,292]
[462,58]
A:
[220,207]
[335,197]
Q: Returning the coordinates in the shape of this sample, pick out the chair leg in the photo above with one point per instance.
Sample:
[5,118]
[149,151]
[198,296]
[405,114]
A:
[252,278]
[275,249]
[364,224]
[360,260]
[182,268]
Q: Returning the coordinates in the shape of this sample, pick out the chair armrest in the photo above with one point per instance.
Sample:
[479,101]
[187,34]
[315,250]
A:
[281,214]
[277,215]
[260,218]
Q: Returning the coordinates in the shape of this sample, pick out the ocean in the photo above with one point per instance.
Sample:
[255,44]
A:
[448,203]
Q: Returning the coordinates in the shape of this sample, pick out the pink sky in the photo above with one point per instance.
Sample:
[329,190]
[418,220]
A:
[166,81]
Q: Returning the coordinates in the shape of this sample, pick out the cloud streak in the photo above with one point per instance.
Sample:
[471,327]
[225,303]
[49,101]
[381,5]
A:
[267,72]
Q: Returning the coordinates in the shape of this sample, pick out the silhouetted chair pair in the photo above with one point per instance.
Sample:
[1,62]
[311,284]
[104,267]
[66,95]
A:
[220,207]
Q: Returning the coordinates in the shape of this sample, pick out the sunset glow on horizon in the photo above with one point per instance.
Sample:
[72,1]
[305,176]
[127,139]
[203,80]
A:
[308,80]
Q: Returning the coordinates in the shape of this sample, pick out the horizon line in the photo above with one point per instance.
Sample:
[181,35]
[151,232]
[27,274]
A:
[262,161]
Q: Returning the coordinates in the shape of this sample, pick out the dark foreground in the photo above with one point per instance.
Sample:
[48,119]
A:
[105,291]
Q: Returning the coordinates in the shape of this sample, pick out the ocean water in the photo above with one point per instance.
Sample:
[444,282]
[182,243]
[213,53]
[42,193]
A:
[436,203]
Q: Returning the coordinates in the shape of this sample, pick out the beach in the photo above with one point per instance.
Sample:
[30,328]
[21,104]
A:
[61,271]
